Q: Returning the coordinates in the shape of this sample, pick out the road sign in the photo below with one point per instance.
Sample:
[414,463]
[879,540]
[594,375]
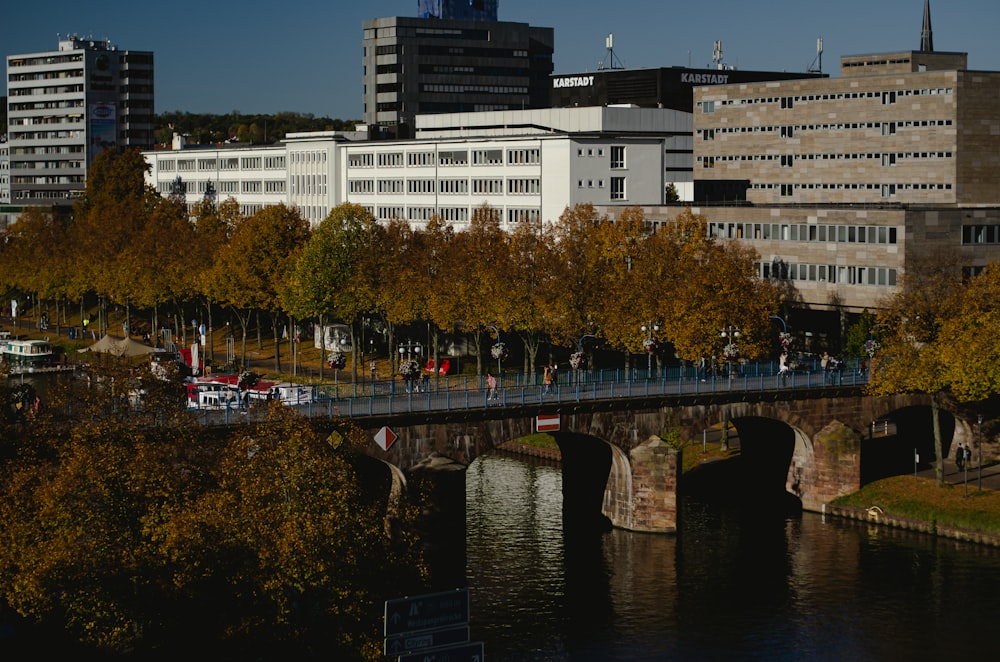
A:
[547,423]
[385,438]
[411,643]
[468,653]
[427,612]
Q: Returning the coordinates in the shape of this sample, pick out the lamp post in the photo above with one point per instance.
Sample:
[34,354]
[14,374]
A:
[649,345]
[730,334]
[408,350]
[499,355]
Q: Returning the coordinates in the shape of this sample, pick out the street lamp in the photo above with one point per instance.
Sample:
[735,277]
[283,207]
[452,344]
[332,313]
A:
[730,333]
[499,353]
[649,344]
[408,350]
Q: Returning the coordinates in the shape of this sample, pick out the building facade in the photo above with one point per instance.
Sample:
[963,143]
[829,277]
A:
[843,184]
[527,165]
[664,87]
[66,106]
[418,66]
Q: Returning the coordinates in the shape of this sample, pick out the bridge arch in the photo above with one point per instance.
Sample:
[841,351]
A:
[820,434]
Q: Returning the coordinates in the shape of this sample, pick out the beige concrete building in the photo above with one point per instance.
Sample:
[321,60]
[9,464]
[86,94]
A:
[842,183]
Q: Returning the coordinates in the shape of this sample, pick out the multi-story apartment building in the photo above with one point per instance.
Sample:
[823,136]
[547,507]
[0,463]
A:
[417,66]
[65,106]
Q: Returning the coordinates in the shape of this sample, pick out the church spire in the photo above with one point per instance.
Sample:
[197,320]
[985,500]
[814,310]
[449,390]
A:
[926,35]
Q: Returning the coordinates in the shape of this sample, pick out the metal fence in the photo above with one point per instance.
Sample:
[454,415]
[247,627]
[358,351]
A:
[388,397]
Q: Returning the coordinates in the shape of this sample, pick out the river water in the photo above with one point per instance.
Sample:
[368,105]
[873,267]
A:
[733,584]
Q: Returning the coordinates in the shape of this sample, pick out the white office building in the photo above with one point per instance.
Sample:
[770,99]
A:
[528,165]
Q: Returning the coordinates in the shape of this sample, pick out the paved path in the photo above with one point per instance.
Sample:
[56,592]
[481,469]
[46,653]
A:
[990,475]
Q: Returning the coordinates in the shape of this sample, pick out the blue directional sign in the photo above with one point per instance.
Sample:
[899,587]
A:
[427,612]
[419,641]
[468,653]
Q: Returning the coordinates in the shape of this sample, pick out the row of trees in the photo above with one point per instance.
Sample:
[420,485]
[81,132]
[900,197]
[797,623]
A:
[582,274]
[207,128]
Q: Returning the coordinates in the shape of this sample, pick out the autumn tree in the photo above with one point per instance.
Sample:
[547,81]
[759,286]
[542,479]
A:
[331,277]
[911,324]
[250,271]
[213,226]
[469,275]
[578,279]
[531,286]
[107,221]
[137,537]
[970,356]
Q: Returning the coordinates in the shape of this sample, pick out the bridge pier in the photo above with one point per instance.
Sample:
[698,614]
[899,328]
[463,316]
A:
[641,492]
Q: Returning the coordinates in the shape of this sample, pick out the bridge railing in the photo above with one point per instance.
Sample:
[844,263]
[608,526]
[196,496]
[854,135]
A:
[573,386]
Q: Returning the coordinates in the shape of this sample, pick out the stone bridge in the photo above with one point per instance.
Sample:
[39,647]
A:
[616,465]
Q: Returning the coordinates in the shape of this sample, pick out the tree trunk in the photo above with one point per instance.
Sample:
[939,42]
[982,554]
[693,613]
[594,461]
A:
[277,344]
[322,347]
[935,422]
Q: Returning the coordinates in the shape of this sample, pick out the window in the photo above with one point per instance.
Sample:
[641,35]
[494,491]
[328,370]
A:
[617,157]
[390,160]
[487,157]
[617,188]
[708,107]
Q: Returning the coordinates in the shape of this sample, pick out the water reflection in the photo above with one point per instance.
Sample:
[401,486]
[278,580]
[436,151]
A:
[734,584]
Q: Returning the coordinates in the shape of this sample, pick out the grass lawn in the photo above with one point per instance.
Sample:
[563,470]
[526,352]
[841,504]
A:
[922,499]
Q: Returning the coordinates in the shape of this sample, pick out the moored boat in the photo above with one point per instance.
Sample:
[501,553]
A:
[221,391]
[26,355]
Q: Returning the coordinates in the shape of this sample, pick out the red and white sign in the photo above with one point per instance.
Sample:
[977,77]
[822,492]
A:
[547,422]
[385,438]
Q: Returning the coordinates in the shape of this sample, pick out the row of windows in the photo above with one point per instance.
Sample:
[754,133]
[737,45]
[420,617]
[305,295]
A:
[980,234]
[788,131]
[45,75]
[787,102]
[200,187]
[230,163]
[44,60]
[887,190]
[48,104]
[845,234]
[46,135]
[308,156]
[887,159]
[514,186]
[451,214]
[523,156]
[473,89]
[48,149]
[42,121]
[42,91]
[45,165]
[827,273]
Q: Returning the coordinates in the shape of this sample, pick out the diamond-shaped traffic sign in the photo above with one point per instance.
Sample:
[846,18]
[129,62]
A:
[385,438]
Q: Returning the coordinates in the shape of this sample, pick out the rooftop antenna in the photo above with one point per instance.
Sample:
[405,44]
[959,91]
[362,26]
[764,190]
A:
[817,65]
[717,55]
[609,43]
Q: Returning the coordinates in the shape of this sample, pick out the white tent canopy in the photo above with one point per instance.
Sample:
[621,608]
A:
[118,346]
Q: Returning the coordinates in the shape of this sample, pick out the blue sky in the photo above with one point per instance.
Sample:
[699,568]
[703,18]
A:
[217,56]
